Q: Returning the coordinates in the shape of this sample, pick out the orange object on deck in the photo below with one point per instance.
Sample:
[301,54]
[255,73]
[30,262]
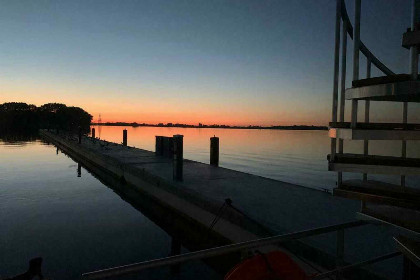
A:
[275,265]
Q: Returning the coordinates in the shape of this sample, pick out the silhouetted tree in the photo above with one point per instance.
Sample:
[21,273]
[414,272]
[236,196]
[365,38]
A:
[22,117]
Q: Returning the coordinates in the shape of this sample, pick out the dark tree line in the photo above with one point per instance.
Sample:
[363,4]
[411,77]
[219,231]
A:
[22,117]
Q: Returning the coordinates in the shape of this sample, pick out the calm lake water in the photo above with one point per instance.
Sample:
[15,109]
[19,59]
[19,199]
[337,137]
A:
[298,157]
[79,224]
[75,222]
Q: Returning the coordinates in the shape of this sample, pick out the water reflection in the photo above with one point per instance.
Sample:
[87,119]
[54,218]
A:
[19,139]
[76,224]
[79,170]
[298,157]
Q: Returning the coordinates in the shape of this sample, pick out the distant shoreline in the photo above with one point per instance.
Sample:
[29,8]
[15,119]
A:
[279,127]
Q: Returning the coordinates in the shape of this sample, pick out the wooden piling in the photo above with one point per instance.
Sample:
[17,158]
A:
[214,151]
[178,146]
[93,133]
[159,146]
[125,137]
[79,170]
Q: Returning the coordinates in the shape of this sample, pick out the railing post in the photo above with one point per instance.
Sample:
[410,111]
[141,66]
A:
[367,114]
[125,137]
[214,151]
[336,73]
[403,142]
[356,49]
[414,58]
[414,69]
[178,160]
[93,133]
[342,93]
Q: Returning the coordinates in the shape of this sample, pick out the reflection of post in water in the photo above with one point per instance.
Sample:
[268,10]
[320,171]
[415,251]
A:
[99,126]
[175,250]
[79,170]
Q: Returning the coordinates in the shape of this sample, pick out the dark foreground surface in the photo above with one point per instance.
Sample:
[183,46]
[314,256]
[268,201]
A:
[76,223]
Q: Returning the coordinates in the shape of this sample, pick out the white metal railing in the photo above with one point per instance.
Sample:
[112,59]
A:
[238,247]
[343,22]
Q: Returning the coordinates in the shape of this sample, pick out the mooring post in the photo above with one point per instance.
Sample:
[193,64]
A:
[178,161]
[80,135]
[79,170]
[159,146]
[214,151]
[125,137]
[93,133]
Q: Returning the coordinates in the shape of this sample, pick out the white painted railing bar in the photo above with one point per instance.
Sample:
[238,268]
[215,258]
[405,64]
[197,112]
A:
[363,49]
[218,251]
[356,46]
[343,78]
[367,115]
[336,72]
[342,92]
[375,60]
[414,58]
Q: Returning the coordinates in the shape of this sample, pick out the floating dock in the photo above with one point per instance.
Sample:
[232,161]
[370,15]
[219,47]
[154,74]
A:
[260,207]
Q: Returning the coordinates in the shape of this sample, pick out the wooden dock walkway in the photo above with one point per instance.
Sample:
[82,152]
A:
[266,206]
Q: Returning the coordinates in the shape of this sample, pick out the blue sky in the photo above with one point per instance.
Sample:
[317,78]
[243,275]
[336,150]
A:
[237,62]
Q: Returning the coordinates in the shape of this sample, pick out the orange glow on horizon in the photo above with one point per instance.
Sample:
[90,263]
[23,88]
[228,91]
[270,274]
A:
[154,110]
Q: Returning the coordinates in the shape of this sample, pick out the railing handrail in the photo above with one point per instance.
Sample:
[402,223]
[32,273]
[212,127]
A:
[217,251]
[369,55]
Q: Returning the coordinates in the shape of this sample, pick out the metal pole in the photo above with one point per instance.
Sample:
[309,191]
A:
[342,93]
[336,72]
[356,48]
[414,58]
[367,114]
[343,79]
[414,69]
[404,143]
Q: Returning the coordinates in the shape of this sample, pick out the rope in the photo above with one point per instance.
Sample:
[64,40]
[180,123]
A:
[227,202]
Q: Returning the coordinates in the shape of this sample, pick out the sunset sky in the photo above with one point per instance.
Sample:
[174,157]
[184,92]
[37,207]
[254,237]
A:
[227,62]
